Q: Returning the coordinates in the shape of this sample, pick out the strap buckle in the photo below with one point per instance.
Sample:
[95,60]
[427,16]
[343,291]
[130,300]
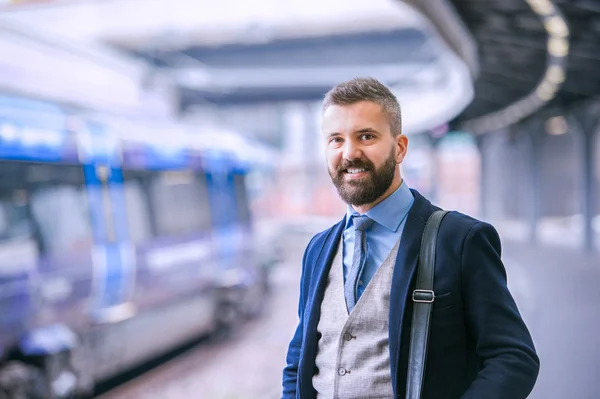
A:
[423,296]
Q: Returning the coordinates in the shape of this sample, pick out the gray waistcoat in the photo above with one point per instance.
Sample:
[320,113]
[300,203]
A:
[353,358]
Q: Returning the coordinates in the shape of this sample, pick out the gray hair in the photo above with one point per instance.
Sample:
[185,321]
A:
[367,89]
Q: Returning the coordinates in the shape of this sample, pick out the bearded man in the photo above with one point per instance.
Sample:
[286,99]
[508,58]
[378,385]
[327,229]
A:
[355,306]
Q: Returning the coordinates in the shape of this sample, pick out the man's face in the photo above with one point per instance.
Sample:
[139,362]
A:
[362,154]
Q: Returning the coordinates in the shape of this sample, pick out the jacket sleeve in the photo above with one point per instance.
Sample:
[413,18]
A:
[509,363]
[290,372]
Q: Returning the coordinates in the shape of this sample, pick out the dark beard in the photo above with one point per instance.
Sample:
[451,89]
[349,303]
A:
[366,190]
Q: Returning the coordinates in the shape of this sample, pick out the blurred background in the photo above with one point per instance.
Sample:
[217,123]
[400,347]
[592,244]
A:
[162,170]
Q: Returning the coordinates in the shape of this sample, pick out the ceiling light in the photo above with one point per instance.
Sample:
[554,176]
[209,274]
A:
[557,126]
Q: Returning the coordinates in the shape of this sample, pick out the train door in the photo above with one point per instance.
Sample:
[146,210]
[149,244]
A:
[221,191]
[113,256]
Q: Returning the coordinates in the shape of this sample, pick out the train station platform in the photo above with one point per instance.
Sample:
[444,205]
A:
[557,294]
[554,289]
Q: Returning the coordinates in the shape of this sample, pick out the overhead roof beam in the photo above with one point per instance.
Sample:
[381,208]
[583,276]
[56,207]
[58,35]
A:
[451,29]
[233,78]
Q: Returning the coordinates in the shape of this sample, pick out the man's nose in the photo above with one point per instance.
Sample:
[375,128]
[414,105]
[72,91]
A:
[351,150]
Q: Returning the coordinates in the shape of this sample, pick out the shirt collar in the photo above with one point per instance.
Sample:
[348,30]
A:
[391,211]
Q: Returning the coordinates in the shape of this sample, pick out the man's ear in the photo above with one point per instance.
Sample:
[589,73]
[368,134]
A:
[401,147]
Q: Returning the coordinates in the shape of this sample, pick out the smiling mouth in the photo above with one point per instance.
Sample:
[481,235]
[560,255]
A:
[355,172]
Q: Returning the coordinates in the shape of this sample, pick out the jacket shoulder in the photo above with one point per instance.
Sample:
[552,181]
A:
[458,228]
[455,224]
[319,239]
[460,222]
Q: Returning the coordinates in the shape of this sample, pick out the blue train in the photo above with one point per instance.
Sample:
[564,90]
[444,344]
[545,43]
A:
[118,242]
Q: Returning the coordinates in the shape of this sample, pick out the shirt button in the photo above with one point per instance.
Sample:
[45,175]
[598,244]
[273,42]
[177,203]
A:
[342,371]
[347,336]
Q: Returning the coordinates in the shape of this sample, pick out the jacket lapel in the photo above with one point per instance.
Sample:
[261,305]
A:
[320,272]
[402,281]
[312,313]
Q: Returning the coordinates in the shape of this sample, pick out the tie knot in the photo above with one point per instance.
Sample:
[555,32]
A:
[361,223]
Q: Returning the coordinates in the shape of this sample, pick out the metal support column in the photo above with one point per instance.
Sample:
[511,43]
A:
[483,176]
[587,122]
[536,187]
[435,141]
[589,188]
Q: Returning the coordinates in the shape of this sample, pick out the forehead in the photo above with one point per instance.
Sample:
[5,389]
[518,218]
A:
[348,118]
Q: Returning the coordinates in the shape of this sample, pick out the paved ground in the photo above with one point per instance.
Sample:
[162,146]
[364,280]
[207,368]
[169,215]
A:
[558,293]
[556,289]
[247,366]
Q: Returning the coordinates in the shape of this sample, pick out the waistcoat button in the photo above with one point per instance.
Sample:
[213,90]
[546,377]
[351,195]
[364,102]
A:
[347,336]
[342,371]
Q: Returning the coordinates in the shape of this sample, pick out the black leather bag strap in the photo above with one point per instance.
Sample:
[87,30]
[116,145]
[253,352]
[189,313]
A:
[423,298]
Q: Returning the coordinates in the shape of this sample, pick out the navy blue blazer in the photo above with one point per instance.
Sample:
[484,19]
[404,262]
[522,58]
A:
[479,346]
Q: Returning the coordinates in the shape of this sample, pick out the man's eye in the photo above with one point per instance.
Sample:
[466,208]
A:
[336,140]
[367,136]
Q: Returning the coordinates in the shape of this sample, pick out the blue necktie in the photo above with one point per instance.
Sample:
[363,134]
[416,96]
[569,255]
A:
[361,223]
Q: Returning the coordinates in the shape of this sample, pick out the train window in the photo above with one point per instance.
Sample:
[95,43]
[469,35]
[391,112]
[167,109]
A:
[47,202]
[180,203]
[222,199]
[18,249]
[62,215]
[241,195]
[138,212]
[60,208]
[14,222]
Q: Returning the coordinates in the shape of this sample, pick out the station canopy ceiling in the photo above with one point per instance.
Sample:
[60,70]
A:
[528,53]
[532,54]
[274,50]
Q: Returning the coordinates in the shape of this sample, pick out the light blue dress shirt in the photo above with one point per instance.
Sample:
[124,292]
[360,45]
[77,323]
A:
[390,217]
